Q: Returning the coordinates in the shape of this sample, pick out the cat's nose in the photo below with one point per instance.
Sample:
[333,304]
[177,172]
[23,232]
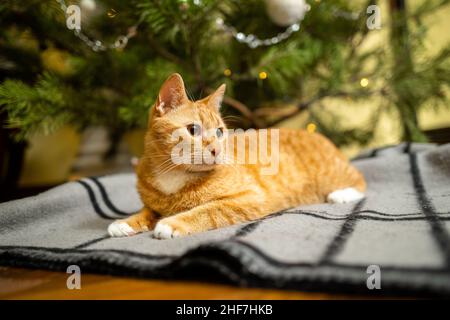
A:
[214,152]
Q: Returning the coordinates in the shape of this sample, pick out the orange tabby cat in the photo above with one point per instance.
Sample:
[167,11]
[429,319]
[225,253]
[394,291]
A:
[184,198]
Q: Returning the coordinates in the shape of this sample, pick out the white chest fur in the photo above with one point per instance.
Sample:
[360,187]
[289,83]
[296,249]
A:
[172,182]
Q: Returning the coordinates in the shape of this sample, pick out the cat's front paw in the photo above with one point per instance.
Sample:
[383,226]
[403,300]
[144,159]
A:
[165,229]
[120,228]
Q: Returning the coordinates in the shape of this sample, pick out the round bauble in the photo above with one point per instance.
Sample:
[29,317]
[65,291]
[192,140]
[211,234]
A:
[286,12]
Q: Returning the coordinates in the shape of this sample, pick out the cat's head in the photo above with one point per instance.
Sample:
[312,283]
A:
[193,131]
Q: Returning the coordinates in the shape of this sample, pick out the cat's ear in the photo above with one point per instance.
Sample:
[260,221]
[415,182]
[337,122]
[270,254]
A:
[215,99]
[171,95]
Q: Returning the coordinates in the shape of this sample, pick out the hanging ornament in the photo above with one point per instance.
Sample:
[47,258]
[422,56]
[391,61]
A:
[89,5]
[286,12]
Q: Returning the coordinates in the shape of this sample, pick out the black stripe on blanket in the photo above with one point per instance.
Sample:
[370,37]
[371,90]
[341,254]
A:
[91,242]
[106,199]
[250,227]
[336,245]
[222,258]
[359,215]
[93,200]
[374,153]
[438,229]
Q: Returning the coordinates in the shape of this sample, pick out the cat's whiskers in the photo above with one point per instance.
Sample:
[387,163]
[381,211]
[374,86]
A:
[170,168]
[189,94]
[159,156]
[164,165]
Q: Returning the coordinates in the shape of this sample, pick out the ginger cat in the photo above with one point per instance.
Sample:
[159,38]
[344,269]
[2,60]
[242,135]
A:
[185,198]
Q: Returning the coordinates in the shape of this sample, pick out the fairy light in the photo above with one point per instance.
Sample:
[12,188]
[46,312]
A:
[311,127]
[250,40]
[254,42]
[263,75]
[364,82]
[227,72]
[97,45]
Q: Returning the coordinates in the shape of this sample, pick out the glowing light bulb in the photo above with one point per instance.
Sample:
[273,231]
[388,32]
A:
[311,127]
[364,82]
[263,75]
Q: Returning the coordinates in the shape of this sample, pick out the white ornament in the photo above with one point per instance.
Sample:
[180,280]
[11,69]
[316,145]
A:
[286,12]
[89,5]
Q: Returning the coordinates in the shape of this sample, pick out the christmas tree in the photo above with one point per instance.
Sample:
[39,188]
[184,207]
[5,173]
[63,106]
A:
[108,70]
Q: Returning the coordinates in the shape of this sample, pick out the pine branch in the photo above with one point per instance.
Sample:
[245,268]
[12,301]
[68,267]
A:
[308,104]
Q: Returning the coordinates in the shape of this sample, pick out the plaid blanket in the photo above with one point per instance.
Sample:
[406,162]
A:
[396,239]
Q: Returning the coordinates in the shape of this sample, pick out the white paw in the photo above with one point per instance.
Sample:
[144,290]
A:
[345,195]
[164,231]
[120,229]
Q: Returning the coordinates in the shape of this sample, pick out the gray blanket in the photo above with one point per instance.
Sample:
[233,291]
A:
[401,229]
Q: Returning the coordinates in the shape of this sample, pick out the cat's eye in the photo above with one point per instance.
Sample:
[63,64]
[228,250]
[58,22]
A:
[219,132]
[194,129]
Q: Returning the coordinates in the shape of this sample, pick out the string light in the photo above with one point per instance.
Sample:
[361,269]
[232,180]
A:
[97,45]
[364,82]
[253,41]
[250,40]
[311,127]
[263,75]
[227,72]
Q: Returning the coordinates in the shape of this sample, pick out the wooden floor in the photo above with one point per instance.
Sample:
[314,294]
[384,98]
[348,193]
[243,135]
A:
[18,283]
